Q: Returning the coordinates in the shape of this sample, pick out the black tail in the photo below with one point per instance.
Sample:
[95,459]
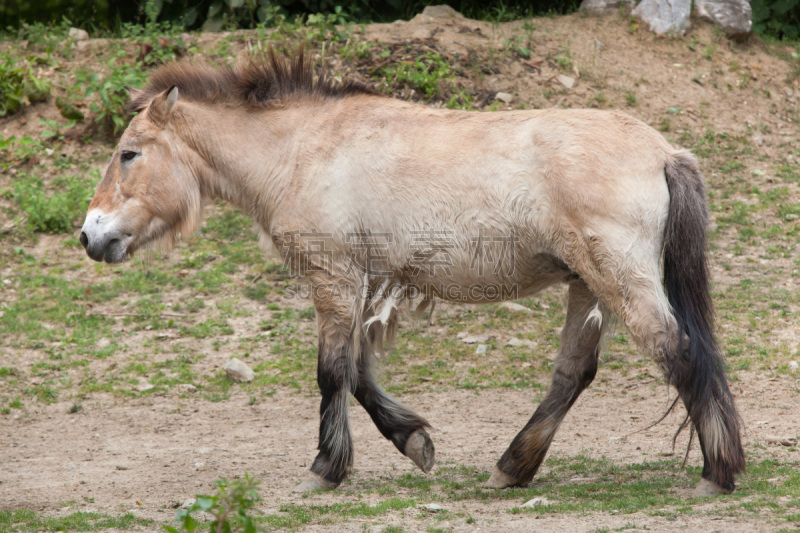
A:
[698,371]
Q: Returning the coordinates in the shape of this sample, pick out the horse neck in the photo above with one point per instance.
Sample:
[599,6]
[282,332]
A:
[242,156]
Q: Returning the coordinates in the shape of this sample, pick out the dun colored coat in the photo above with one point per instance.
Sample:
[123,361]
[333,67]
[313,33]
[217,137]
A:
[379,201]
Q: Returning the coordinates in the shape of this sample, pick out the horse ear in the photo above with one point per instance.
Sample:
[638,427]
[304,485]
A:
[163,104]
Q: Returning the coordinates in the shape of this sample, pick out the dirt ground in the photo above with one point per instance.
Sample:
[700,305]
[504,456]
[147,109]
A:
[148,455]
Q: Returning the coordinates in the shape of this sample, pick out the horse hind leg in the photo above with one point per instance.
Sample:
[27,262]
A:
[691,362]
[574,369]
[395,421]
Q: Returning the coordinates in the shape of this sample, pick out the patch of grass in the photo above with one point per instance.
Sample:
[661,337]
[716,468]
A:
[58,211]
[426,74]
[22,520]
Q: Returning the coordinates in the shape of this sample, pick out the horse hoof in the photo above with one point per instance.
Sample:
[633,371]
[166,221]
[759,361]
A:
[500,480]
[419,448]
[709,488]
[315,482]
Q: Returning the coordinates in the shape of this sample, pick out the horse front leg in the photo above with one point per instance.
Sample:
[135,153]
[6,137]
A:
[395,421]
[575,368]
[337,376]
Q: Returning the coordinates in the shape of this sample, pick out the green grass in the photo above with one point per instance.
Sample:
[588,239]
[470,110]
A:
[23,520]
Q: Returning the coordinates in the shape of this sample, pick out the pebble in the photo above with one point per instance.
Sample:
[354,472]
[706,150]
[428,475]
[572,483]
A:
[187,388]
[566,81]
[238,371]
[515,342]
[433,508]
[517,308]
[481,349]
[758,139]
[78,34]
[474,339]
[142,387]
[188,503]
[504,97]
[539,501]
[793,366]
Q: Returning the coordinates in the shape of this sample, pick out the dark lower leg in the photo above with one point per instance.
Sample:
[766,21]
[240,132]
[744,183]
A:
[395,421]
[336,379]
[575,369]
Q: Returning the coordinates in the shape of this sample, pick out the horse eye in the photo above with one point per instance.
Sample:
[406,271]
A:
[127,155]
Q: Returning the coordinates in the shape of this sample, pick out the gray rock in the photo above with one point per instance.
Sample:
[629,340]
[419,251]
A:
[758,139]
[566,81]
[473,339]
[188,503]
[442,11]
[504,97]
[78,34]
[734,17]
[482,349]
[238,371]
[604,7]
[187,388]
[665,16]
[539,501]
[517,308]
[433,508]
[514,342]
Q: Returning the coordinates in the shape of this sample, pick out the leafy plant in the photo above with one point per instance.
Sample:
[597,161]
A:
[56,212]
[19,85]
[228,508]
[777,18]
[424,74]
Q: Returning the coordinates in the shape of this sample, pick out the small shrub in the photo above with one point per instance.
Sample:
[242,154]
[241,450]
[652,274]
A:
[424,74]
[19,85]
[228,509]
[55,212]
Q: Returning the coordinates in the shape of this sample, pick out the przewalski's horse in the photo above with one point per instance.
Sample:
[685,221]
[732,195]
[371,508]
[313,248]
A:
[371,197]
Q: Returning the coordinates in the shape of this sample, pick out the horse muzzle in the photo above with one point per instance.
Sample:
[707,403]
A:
[102,240]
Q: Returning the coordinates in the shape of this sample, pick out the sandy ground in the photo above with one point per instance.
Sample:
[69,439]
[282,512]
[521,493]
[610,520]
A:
[146,456]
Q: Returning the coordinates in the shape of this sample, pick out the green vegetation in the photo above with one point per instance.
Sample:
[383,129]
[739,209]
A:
[19,84]
[25,520]
[228,509]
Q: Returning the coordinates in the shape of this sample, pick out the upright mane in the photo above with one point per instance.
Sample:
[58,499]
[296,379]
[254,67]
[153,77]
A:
[255,83]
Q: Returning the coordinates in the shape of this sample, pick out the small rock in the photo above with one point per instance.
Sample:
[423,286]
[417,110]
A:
[187,388]
[433,508]
[604,7]
[441,11]
[78,34]
[793,366]
[188,503]
[517,308]
[566,81]
[143,387]
[474,339]
[238,371]
[758,139]
[504,97]
[482,349]
[515,342]
[665,17]
[539,501]
[122,467]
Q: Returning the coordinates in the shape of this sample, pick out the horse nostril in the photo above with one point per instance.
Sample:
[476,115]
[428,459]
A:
[84,239]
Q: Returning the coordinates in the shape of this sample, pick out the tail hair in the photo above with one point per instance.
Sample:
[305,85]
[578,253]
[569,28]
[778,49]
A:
[698,370]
